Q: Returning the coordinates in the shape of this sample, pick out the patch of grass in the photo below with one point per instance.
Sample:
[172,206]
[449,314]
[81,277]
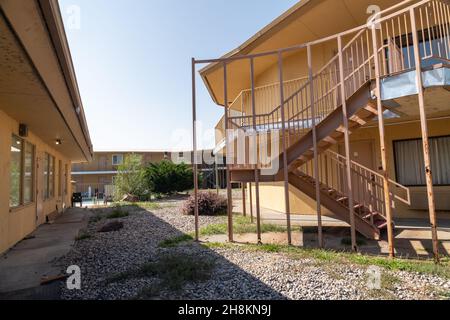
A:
[420,266]
[149,292]
[147,205]
[445,295]
[389,281]
[173,242]
[118,213]
[96,218]
[83,235]
[172,269]
[241,225]
[347,241]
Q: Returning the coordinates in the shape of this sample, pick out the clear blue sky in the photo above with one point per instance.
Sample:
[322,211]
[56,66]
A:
[132,59]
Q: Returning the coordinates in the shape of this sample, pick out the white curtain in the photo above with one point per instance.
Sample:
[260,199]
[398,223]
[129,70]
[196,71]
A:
[410,166]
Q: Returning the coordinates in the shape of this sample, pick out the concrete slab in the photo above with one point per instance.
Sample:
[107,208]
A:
[23,266]
[412,236]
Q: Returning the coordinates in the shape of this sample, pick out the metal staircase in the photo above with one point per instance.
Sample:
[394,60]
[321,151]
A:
[316,107]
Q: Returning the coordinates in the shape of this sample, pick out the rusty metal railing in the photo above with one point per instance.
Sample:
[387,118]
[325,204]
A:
[368,187]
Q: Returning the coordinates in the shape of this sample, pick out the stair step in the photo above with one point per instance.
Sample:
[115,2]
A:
[372,214]
[371,109]
[380,224]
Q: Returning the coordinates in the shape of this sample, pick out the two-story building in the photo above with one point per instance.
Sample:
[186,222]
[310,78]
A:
[353,97]
[42,123]
[92,179]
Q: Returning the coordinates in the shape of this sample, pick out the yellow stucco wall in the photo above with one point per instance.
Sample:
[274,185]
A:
[272,194]
[17,223]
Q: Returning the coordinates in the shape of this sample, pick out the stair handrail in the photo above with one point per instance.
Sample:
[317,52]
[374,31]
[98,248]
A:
[406,200]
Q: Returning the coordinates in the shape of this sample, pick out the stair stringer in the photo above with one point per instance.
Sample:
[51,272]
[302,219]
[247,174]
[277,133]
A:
[342,212]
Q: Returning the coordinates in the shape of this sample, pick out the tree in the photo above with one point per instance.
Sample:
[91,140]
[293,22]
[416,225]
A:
[130,179]
[167,177]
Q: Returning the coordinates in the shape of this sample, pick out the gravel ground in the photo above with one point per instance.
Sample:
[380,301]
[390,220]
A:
[237,273]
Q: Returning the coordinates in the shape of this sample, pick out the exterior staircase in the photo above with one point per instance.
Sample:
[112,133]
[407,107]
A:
[347,80]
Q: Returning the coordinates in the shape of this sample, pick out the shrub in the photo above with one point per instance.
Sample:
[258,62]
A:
[167,177]
[209,204]
[130,179]
[117,213]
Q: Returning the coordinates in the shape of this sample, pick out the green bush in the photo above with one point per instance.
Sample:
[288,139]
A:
[167,177]
[130,179]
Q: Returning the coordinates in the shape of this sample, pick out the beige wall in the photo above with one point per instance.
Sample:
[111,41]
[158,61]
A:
[17,223]
[102,161]
[272,195]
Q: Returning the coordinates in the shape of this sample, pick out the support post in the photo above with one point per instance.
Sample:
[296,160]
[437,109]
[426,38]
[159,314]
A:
[244,204]
[347,145]
[258,209]
[316,155]
[285,162]
[216,169]
[251,201]
[194,145]
[227,146]
[425,140]
[384,159]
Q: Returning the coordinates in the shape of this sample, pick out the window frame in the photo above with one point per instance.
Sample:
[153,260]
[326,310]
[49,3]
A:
[49,179]
[33,173]
[117,155]
[395,160]
[24,143]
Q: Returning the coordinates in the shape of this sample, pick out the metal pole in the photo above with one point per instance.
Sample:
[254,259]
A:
[347,146]
[251,201]
[194,144]
[258,209]
[316,155]
[384,159]
[244,208]
[426,148]
[217,174]
[227,146]
[285,162]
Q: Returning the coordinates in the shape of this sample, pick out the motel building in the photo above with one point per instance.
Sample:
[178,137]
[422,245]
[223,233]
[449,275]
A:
[42,124]
[95,179]
[358,92]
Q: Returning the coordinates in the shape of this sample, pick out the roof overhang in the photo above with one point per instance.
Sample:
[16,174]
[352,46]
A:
[37,77]
[306,21]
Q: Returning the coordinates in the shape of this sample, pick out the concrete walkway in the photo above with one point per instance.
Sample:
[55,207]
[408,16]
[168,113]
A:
[412,236]
[23,267]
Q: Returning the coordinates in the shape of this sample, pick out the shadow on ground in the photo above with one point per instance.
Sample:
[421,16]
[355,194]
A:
[120,254]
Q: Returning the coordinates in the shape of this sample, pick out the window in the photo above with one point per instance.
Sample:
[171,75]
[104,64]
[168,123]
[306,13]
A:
[117,159]
[28,174]
[15,198]
[21,172]
[409,163]
[49,176]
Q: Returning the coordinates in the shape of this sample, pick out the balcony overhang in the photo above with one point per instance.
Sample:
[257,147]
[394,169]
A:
[401,91]
[37,78]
